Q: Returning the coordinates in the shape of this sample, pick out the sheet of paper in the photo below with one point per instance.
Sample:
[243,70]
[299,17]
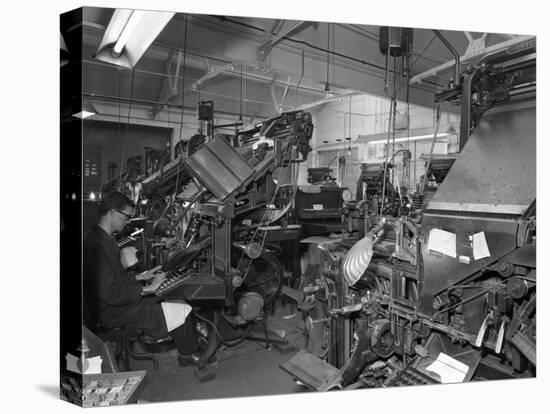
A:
[449,369]
[175,313]
[464,259]
[443,242]
[72,363]
[480,248]
[94,364]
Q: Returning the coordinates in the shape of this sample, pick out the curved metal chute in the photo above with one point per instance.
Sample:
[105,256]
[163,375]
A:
[357,260]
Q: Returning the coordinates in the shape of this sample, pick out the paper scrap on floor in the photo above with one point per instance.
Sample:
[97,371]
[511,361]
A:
[449,369]
[443,242]
[481,249]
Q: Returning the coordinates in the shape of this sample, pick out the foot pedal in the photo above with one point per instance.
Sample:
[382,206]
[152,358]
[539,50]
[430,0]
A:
[206,373]
[311,371]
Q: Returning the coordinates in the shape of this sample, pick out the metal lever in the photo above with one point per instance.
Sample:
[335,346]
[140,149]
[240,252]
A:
[482,330]
[500,337]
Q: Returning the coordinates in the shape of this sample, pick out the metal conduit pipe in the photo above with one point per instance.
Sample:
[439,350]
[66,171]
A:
[177,106]
[455,54]
[188,110]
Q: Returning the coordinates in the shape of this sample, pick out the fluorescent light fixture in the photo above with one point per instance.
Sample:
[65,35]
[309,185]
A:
[87,110]
[415,138]
[129,34]
[63,51]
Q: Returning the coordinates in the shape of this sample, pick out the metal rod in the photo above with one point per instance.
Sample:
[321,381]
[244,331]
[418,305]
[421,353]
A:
[455,54]
[438,117]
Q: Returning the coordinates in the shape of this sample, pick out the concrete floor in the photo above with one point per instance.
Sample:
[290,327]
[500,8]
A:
[248,369]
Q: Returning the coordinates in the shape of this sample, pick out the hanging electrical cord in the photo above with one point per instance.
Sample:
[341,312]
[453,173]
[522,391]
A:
[119,105]
[395,88]
[327,88]
[408,120]
[241,100]
[299,81]
[183,76]
[127,125]
[182,112]
[349,130]
[429,163]
[393,110]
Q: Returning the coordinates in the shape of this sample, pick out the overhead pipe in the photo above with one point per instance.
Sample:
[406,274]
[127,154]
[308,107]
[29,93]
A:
[455,54]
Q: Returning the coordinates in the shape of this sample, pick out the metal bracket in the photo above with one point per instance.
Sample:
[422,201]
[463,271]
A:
[265,49]
[212,72]
[279,105]
[475,46]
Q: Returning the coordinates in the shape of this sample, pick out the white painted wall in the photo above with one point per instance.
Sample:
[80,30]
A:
[366,115]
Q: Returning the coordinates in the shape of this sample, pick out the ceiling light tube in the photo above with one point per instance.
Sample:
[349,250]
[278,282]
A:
[127,31]
[129,34]
[415,138]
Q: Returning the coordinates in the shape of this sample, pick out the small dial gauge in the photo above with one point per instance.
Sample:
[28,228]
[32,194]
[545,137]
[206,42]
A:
[346,195]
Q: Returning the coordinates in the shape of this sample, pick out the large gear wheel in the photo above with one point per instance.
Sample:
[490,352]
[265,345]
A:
[381,338]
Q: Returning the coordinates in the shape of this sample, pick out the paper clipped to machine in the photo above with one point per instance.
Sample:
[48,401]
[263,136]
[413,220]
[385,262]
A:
[443,242]
[480,248]
[93,365]
[449,369]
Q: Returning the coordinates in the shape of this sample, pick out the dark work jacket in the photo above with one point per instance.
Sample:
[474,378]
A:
[112,297]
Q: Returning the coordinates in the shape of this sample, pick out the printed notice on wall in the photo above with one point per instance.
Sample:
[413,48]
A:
[480,247]
[443,242]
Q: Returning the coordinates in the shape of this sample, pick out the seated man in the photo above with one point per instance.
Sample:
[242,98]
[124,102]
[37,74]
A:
[116,298]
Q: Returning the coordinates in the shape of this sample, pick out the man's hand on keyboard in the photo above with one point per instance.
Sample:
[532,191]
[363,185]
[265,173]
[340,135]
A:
[149,274]
[156,281]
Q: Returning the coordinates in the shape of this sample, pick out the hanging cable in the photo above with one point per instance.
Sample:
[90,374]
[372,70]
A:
[327,88]
[407,92]
[241,100]
[119,104]
[183,76]
[396,79]
[299,81]
[182,110]
[429,163]
[127,125]
[391,115]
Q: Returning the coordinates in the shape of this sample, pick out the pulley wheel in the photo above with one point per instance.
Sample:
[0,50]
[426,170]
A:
[262,275]
[381,338]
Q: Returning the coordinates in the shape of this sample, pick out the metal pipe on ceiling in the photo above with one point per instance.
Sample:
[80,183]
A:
[150,102]
[455,54]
